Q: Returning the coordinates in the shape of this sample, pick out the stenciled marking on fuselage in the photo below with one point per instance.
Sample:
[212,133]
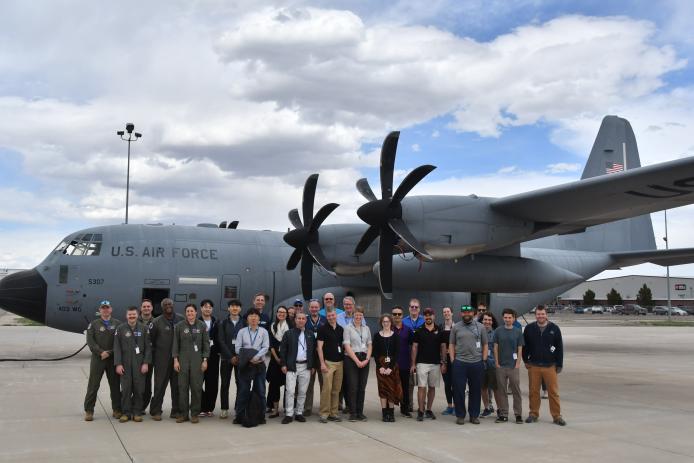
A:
[158,252]
[669,191]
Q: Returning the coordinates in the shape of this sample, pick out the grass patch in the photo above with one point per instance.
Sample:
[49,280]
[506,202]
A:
[21,321]
[664,323]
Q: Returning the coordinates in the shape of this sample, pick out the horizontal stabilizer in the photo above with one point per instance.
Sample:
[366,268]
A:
[659,257]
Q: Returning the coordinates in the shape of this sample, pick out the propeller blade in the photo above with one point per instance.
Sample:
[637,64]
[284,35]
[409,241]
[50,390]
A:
[366,239]
[385,262]
[308,198]
[306,275]
[319,257]
[294,259]
[365,189]
[294,218]
[401,229]
[388,150]
[223,224]
[412,179]
[234,224]
[322,214]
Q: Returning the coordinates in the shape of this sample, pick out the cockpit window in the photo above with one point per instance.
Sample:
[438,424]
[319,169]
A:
[88,244]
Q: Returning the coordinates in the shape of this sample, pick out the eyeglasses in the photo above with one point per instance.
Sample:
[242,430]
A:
[329,299]
[414,307]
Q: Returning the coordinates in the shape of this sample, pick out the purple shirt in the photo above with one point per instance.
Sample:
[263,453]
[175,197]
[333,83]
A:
[404,348]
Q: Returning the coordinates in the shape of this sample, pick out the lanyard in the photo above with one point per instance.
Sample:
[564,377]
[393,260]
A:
[192,333]
[303,346]
[253,338]
[477,330]
[316,325]
[361,338]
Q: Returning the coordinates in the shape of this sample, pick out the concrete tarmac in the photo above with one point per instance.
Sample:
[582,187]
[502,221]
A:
[626,393]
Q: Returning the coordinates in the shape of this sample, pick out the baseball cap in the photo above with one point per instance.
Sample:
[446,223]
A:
[298,302]
[105,302]
[467,308]
[428,311]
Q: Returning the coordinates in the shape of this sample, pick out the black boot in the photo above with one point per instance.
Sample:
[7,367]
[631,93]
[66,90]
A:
[384,411]
[391,414]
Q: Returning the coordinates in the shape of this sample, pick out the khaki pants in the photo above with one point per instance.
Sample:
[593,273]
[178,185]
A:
[535,377]
[512,377]
[330,394]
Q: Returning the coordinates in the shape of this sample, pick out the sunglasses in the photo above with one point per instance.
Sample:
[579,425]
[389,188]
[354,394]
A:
[397,314]
[414,307]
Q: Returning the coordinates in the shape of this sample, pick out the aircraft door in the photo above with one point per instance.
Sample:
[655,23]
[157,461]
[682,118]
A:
[156,295]
[231,289]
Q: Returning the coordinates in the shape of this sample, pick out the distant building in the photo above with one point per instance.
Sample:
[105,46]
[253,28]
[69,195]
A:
[681,289]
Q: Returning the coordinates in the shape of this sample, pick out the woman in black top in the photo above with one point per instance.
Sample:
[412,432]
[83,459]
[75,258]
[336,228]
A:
[274,372]
[385,354]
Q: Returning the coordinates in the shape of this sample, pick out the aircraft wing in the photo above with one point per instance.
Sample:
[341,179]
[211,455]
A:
[573,206]
[662,257]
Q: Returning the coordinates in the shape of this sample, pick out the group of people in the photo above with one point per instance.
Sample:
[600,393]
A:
[477,360]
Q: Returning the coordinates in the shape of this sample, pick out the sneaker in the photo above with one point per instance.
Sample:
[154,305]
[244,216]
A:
[405,413]
[300,418]
[501,419]
[362,417]
[137,419]
[448,411]
[429,414]
[336,419]
[531,419]
[519,419]
[352,418]
[487,412]
[544,394]
[224,415]
[237,420]
[210,414]
[560,421]
[116,414]
[88,416]
[124,418]
[202,414]
[194,419]
[323,419]
[156,417]
[460,420]
[475,420]
[274,415]
[420,416]
[287,419]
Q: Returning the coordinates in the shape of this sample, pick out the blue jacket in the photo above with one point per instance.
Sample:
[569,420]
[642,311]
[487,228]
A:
[543,349]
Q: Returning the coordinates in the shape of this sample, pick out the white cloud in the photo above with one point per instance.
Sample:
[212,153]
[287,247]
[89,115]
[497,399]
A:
[416,148]
[562,167]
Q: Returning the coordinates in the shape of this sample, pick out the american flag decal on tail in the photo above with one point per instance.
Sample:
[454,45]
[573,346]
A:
[613,167]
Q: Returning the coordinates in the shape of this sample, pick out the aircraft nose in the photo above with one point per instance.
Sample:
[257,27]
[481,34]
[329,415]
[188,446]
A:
[24,293]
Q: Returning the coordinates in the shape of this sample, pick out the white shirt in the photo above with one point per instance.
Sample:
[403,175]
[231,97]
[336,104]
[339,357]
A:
[301,349]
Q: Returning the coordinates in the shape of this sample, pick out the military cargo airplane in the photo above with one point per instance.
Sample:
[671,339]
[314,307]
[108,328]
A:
[515,251]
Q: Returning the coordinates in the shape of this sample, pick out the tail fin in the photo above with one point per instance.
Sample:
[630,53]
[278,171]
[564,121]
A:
[614,149]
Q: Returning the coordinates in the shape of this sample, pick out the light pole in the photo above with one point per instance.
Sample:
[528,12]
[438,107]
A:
[667,278]
[129,127]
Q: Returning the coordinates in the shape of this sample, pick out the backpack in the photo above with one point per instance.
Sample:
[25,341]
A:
[254,413]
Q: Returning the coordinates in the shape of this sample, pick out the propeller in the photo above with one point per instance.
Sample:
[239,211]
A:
[384,216]
[304,237]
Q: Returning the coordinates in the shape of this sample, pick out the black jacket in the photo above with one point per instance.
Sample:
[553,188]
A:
[544,349]
[290,346]
[226,336]
[214,348]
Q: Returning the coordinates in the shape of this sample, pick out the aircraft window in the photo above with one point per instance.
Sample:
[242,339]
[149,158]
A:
[231,292]
[83,245]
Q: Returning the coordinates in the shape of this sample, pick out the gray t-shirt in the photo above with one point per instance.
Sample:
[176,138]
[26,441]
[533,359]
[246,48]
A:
[468,340]
[508,342]
[358,339]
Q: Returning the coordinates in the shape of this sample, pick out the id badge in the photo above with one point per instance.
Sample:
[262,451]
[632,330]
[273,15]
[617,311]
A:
[137,350]
[195,347]
[478,344]
[211,343]
[387,359]
[233,342]
[515,356]
[339,350]
[315,334]
[552,349]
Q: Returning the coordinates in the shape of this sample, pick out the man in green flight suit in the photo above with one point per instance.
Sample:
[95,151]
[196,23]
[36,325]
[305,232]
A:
[132,355]
[161,334]
[191,349]
[100,341]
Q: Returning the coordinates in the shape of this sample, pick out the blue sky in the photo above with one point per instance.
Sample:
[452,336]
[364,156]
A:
[501,96]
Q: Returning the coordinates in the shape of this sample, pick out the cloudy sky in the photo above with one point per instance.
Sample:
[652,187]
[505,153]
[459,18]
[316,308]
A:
[239,101]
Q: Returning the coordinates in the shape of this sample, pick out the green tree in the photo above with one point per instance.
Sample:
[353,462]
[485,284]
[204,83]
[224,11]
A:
[614,298]
[589,298]
[645,296]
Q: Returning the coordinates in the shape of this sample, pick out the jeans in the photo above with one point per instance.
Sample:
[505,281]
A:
[225,369]
[469,374]
[256,375]
[448,383]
